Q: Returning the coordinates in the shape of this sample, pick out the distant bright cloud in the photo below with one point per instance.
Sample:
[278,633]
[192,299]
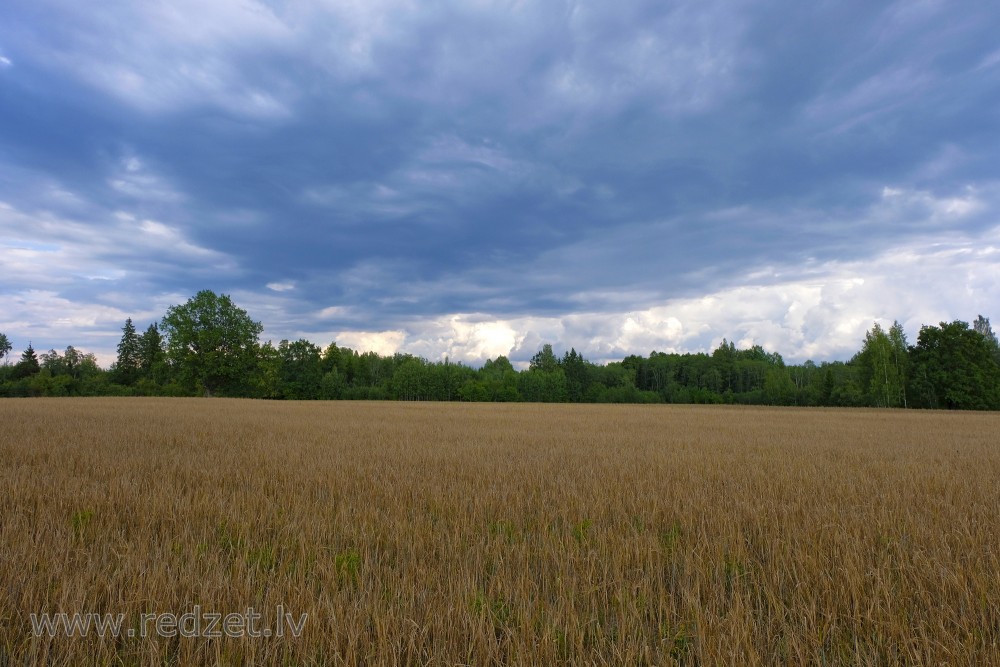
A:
[465,180]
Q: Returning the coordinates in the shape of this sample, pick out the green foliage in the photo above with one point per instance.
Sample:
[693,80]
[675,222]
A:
[495,382]
[152,356]
[778,387]
[211,344]
[578,375]
[53,374]
[538,386]
[300,370]
[129,361]
[981,325]
[5,346]
[884,364]
[331,385]
[28,365]
[411,381]
[954,367]
[545,360]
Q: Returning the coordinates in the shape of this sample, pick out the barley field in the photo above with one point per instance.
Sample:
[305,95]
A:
[476,534]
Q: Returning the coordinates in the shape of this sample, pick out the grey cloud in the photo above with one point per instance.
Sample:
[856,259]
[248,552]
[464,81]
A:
[539,166]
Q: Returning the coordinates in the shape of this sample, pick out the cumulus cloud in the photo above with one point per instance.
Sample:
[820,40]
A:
[821,317]
[380,342]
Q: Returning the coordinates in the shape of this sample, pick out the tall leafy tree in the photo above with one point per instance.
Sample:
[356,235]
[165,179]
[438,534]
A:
[501,378]
[129,355]
[72,358]
[211,343]
[882,364]
[981,325]
[267,378]
[301,369]
[545,360]
[53,362]
[953,367]
[900,359]
[5,346]
[410,380]
[72,362]
[778,387]
[576,370]
[151,353]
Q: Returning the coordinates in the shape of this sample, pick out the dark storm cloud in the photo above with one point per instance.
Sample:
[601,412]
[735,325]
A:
[374,166]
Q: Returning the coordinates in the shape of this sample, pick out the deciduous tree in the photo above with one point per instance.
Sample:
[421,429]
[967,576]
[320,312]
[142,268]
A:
[982,326]
[954,368]
[883,361]
[545,360]
[211,343]
[5,346]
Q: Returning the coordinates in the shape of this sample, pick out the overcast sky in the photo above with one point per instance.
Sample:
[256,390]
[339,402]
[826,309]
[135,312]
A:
[475,178]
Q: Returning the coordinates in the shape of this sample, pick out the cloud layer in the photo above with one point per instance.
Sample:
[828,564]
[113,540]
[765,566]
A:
[473,179]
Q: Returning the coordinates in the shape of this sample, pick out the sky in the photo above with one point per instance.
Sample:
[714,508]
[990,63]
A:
[475,178]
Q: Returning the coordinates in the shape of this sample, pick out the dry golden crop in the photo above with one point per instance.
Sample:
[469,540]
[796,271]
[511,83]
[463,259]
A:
[480,534]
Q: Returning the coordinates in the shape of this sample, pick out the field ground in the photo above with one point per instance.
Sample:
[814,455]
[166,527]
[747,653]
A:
[503,534]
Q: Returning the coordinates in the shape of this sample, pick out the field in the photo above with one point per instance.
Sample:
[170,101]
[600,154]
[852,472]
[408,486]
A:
[450,534]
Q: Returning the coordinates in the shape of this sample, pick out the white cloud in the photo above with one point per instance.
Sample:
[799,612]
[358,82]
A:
[452,116]
[464,338]
[381,342]
[331,312]
[821,316]
[50,321]
[173,244]
[42,249]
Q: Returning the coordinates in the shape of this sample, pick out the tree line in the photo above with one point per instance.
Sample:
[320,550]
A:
[210,347]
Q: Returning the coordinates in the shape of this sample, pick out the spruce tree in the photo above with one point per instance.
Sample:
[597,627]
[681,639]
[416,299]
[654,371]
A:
[127,366]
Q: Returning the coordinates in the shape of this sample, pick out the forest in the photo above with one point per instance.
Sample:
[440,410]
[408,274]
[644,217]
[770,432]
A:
[208,346]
